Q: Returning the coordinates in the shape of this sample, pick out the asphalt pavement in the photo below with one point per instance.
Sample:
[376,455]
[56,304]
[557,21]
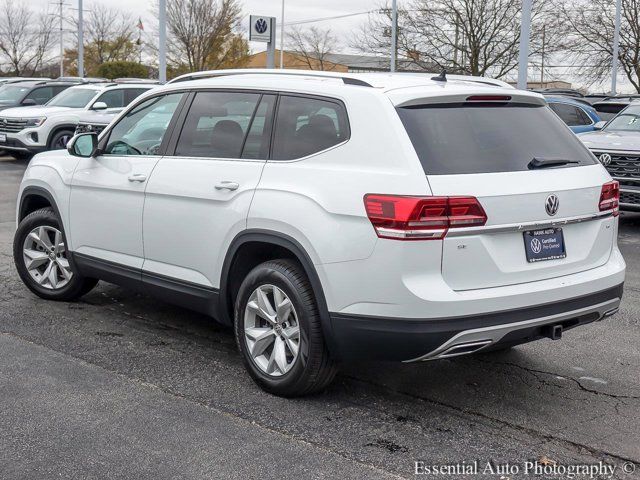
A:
[121,385]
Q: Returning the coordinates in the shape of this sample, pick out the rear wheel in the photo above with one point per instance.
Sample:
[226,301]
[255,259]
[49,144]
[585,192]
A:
[40,255]
[278,331]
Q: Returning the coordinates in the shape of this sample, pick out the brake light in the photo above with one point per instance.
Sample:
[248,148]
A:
[489,98]
[421,218]
[610,197]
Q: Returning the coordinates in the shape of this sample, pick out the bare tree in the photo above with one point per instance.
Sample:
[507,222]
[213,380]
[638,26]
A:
[25,39]
[110,33]
[475,37]
[591,41]
[313,46]
[201,35]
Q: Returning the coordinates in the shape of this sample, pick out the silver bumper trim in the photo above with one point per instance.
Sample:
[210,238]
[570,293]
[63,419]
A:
[520,227]
[471,341]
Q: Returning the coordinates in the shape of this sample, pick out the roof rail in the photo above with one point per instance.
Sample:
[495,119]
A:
[348,80]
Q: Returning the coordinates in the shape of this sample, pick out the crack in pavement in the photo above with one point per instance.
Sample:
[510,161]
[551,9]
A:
[575,446]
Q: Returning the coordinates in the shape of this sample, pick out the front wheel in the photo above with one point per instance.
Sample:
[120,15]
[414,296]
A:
[60,139]
[40,256]
[278,331]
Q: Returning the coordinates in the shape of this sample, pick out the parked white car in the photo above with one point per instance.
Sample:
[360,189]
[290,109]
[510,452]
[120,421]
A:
[29,130]
[328,217]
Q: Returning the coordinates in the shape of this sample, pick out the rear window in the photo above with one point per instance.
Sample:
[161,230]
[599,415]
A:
[481,138]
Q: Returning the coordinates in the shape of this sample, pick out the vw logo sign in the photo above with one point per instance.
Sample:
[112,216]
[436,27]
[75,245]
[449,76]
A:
[261,25]
[536,246]
[605,159]
[551,205]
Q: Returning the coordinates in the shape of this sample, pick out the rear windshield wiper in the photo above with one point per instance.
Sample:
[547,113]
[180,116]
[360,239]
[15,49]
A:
[539,162]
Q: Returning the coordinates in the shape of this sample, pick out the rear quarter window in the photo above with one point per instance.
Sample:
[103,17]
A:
[485,138]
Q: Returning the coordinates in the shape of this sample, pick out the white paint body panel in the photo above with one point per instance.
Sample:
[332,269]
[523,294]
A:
[106,208]
[187,225]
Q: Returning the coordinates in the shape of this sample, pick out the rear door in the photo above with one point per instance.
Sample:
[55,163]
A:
[199,195]
[542,222]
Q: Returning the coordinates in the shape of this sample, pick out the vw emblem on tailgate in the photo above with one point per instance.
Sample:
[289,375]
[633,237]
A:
[605,159]
[551,205]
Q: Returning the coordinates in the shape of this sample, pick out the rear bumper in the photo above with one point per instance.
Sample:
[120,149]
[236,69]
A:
[395,339]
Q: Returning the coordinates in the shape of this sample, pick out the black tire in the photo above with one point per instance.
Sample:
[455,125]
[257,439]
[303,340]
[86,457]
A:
[314,369]
[58,139]
[77,286]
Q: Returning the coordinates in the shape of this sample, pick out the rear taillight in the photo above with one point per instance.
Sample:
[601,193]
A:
[421,218]
[610,197]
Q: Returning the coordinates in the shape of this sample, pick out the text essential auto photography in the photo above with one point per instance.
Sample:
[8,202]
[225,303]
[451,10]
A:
[341,239]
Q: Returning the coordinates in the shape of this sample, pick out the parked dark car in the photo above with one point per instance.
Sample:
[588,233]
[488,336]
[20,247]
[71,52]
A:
[30,93]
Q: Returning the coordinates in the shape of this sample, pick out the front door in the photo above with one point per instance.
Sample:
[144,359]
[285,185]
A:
[107,193]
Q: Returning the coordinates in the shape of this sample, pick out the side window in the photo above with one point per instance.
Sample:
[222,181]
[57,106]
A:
[256,145]
[113,98]
[568,113]
[217,124]
[585,119]
[40,95]
[308,125]
[141,130]
[130,94]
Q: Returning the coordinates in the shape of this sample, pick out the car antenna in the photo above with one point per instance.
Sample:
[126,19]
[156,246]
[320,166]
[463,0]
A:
[440,78]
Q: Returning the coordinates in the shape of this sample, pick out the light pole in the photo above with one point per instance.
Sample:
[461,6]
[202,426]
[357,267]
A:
[80,41]
[162,41]
[282,37]
[394,34]
[616,48]
[525,34]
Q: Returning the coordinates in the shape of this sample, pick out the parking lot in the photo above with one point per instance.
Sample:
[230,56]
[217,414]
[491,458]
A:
[121,385]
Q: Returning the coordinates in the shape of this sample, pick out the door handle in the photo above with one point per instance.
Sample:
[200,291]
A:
[227,186]
[138,177]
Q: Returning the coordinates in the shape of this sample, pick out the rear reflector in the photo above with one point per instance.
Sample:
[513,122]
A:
[421,218]
[610,197]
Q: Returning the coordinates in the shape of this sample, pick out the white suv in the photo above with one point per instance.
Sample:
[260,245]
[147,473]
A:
[331,217]
[29,130]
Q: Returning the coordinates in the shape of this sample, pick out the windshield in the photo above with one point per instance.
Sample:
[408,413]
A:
[484,138]
[74,98]
[628,120]
[12,93]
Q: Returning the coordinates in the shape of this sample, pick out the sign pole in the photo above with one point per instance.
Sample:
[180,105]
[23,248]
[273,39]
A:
[80,40]
[525,34]
[162,40]
[616,48]
[271,47]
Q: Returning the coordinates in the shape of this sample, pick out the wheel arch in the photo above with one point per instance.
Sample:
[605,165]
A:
[34,198]
[59,128]
[279,245]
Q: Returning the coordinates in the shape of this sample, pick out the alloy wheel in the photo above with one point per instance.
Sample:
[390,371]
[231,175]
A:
[271,330]
[45,258]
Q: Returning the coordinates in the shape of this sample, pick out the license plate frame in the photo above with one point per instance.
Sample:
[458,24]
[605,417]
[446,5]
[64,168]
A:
[544,245]
[3,138]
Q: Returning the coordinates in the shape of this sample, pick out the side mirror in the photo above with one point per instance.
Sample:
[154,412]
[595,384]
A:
[99,106]
[29,102]
[600,125]
[83,145]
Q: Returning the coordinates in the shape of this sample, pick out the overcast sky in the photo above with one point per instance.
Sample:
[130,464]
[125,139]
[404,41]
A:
[296,10]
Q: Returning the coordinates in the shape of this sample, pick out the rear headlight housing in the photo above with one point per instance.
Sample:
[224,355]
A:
[610,197]
[400,217]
